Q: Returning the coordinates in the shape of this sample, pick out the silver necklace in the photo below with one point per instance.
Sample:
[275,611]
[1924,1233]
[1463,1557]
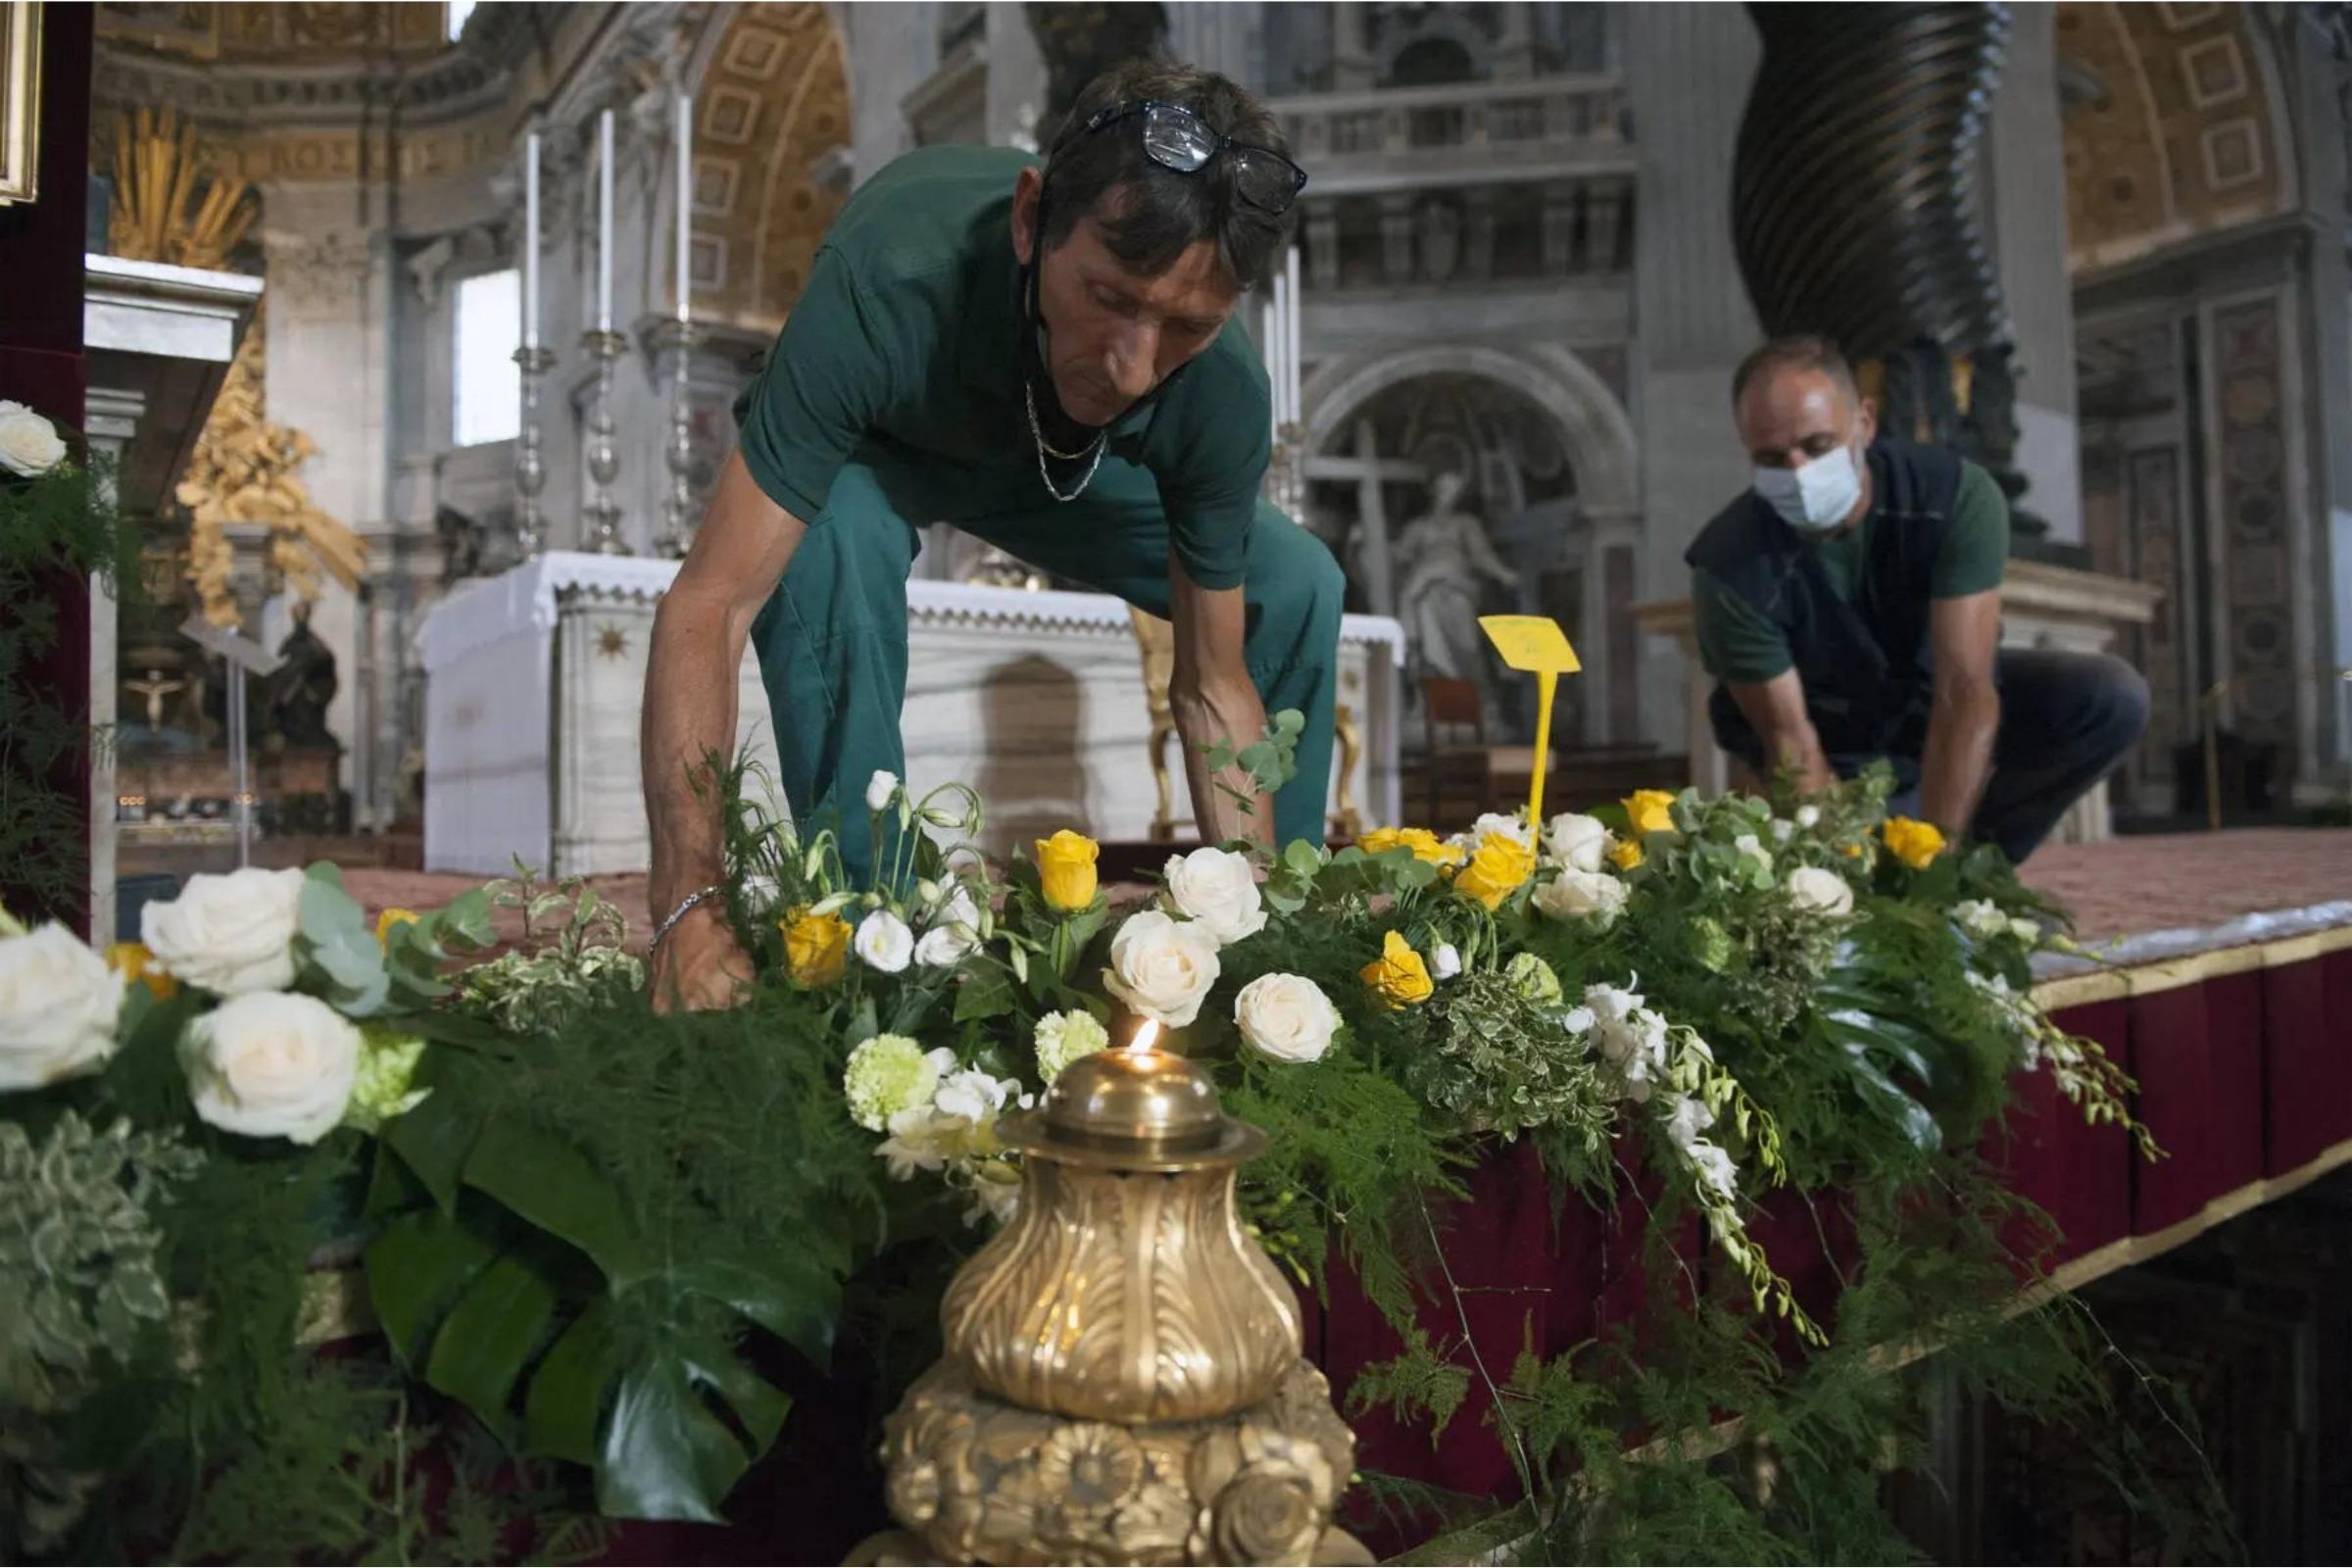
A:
[1037,434]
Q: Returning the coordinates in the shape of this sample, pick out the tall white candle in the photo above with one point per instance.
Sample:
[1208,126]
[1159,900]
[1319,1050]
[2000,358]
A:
[1265,349]
[604,222]
[530,241]
[1274,352]
[1290,350]
[685,140]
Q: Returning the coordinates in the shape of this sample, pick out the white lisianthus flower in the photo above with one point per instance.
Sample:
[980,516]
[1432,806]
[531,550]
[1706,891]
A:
[1576,841]
[1714,1166]
[272,1065]
[941,949]
[1576,895]
[881,789]
[29,445]
[1782,830]
[1510,824]
[1063,1038]
[996,1191]
[1808,817]
[1980,917]
[1748,845]
[1629,1036]
[1162,967]
[1824,892]
[59,1005]
[1217,888]
[2026,931]
[230,934]
[914,1145]
[1445,961]
[884,942]
[972,1096]
[1687,1120]
[1285,1016]
[951,934]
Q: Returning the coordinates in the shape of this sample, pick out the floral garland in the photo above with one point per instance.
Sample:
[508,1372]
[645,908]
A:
[1391,1004]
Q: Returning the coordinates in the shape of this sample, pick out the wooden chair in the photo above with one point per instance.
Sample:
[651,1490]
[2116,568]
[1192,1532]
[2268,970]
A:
[1460,762]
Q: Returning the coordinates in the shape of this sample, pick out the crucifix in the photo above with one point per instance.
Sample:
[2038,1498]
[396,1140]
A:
[155,688]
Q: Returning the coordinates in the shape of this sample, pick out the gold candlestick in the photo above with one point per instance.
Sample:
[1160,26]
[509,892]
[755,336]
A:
[1122,1381]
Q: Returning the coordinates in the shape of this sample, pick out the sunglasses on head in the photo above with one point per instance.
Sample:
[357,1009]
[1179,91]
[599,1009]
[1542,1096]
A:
[1176,137]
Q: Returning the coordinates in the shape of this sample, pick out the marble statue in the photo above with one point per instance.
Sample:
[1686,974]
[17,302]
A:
[1442,555]
[295,697]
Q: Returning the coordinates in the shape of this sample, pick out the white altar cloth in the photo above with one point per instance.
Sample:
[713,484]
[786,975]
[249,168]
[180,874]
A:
[534,683]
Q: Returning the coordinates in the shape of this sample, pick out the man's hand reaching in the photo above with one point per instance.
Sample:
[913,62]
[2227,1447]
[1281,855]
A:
[700,966]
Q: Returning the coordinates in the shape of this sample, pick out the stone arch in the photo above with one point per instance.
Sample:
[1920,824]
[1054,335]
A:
[1593,423]
[2175,125]
[771,100]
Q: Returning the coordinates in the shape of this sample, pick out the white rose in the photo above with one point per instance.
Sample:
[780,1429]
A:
[1812,888]
[1576,895]
[227,934]
[880,788]
[58,1004]
[1285,1016]
[884,942]
[1217,888]
[272,1064]
[1577,840]
[1161,967]
[1808,816]
[28,444]
[1781,829]
[1445,961]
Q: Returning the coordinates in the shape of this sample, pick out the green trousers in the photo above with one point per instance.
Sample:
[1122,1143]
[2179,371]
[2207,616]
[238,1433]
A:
[832,640]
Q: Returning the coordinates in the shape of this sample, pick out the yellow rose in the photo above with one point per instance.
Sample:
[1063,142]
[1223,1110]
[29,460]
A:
[385,921]
[1650,810]
[1500,866]
[817,947]
[1065,869]
[132,961]
[1912,842]
[1627,852]
[1398,978]
[1424,845]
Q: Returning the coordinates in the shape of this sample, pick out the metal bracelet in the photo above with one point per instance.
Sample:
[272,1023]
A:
[679,914]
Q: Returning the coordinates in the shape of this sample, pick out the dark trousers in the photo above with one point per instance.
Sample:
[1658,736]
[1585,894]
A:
[2066,721]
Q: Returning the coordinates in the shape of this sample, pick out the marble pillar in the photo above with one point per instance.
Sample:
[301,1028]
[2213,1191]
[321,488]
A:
[2025,190]
[1695,318]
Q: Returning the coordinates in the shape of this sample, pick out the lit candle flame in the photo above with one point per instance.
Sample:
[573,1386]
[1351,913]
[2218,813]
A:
[1144,1037]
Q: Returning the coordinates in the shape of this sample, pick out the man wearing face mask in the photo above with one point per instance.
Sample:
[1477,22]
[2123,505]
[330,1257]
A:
[1044,357]
[1848,607]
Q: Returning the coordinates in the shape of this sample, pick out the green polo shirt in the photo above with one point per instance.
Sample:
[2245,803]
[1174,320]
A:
[1740,644]
[904,349]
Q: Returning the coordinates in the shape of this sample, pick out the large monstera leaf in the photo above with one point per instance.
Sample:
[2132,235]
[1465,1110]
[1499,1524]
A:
[502,1270]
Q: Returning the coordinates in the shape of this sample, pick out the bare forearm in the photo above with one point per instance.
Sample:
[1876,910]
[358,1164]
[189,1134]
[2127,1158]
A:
[1232,713]
[1958,755]
[1796,749]
[689,719]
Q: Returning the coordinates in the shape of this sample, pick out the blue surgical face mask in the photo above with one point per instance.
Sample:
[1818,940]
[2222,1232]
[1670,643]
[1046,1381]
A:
[1815,498]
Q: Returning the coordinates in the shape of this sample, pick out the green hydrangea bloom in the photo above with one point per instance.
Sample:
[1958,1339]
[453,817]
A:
[886,1075]
[1711,943]
[1533,979]
[385,1087]
[1064,1037]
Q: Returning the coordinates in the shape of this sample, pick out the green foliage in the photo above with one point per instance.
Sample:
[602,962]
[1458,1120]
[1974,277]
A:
[580,1230]
[55,531]
[1421,1383]
[1271,760]
[79,1250]
[570,960]
[1499,1060]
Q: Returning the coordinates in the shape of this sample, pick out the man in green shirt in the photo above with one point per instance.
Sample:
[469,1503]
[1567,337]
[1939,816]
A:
[1850,607]
[1046,357]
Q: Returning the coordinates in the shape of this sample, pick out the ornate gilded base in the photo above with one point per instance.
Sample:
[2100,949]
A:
[975,1480]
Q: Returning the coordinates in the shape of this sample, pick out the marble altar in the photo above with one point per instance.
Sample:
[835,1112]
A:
[534,680]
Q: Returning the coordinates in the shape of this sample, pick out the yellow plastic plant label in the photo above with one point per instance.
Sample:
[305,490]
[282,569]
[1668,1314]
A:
[1533,643]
